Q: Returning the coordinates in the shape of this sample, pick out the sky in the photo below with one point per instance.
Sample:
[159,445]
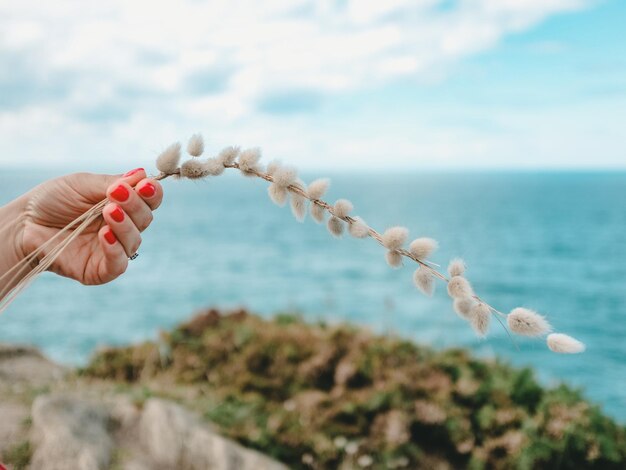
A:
[350,84]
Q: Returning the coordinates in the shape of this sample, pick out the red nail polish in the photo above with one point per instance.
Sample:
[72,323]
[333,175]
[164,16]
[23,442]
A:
[117,214]
[147,190]
[132,172]
[120,193]
[109,236]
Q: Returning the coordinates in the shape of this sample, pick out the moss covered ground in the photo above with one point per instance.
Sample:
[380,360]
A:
[319,396]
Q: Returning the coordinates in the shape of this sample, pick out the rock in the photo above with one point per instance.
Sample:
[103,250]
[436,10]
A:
[26,365]
[176,438]
[70,433]
[13,415]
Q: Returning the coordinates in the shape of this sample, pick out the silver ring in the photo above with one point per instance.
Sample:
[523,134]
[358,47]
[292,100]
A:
[134,256]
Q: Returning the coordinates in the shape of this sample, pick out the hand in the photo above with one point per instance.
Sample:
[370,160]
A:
[100,253]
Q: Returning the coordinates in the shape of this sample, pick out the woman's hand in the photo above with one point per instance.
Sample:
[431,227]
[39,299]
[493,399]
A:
[100,253]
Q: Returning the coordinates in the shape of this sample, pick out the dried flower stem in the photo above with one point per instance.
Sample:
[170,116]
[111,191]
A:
[284,180]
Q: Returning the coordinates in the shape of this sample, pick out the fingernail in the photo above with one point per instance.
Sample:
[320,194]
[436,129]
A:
[117,214]
[147,190]
[132,172]
[109,236]
[120,193]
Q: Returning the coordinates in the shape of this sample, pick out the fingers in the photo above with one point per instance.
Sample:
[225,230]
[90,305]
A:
[132,204]
[133,198]
[115,259]
[140,202]
[123,227]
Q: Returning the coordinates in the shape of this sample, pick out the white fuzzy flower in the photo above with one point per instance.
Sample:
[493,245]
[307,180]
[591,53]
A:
[335,226]
[167,162]
[285,176]
[358,228]
[272,167]
[249,160]
[526,322]
[194,169]
[213,167]
[318,213]
[456,267]
[561,343]
[318,188]
[480,316]
[459,287]
[352,448]
[463,307]
[394,259]
[424,281]
[298,206]
[422,248]
[195,146]
[342,208]
[278,194]
[228,155]
[340,442]
[394,237]
[365,461]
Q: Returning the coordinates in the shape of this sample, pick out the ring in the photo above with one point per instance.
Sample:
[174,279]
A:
[134,256]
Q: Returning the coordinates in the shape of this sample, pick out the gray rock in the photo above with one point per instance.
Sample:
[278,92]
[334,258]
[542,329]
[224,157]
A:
[26,365]
[70,433]
[176,438]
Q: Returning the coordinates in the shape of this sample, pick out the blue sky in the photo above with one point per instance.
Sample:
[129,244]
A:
[422,84]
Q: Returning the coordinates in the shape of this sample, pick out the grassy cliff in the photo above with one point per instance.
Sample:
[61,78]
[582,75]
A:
[317,396]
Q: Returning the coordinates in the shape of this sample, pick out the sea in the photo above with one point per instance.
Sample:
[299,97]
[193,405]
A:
[551,241]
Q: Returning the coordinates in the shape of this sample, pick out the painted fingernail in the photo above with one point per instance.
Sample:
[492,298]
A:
[109,236]
[120,193]
[117,214]
[147,190]
[132,172]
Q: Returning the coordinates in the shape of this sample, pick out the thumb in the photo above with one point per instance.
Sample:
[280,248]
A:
[93,187]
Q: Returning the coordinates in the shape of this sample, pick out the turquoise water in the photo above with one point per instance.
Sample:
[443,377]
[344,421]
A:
[550,241]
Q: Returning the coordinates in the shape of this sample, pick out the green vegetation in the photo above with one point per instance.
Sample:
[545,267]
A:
[19,455]
[317,396]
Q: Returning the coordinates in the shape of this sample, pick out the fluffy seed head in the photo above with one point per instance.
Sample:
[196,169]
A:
[285,176]
[335,226]
[394,259]
[459,287]
[394,237]
[195,146]
[463,307]
[561,343]
[456,267]
[422,248]
[298,206]
[167,162]
[249,159]
[228,155]
[213,167]
[318,188]
[318,213]
[358,228]
[278,194]
[525,322]
[272,167]
[193,169]
[480,317]
[342,208]
[424,281]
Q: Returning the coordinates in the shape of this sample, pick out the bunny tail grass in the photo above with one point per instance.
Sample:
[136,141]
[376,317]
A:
[284,184]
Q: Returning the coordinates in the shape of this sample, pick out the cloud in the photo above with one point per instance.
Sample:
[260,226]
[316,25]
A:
[143,69]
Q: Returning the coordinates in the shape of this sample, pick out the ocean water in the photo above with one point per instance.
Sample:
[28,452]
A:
[554,242]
